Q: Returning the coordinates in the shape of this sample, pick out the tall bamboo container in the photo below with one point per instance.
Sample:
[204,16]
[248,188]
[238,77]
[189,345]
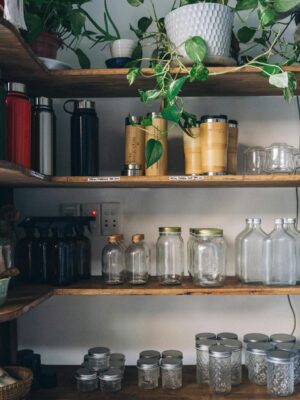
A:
[214,144]
[134,143]
[233,138]
[192,150]
[158,131]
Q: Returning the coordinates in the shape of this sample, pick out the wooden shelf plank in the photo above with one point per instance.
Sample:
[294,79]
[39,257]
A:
[16,175]
[66,389]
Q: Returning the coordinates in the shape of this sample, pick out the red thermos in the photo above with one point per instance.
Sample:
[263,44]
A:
[18,124]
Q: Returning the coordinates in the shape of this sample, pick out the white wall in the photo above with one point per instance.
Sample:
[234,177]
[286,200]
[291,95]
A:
[63,328]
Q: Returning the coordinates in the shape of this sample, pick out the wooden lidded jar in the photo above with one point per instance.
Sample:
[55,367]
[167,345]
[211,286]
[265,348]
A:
[158,131]
[233,138]
[214,143]
[134,143]
[192,150]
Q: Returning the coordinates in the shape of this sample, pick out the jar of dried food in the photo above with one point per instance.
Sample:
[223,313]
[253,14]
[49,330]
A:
[111,380]
[257,362]
[295,349]
[171,373]
[254,338]
[236,360]
[148,373]
[87,381]
[172,354]
[280,376]
[227,335]
[150,354]
[220,369]
[117,364]
[202,350]
[282,338]
[99,359]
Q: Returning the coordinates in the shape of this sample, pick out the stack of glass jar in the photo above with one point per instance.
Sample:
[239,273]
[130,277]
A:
[272,259]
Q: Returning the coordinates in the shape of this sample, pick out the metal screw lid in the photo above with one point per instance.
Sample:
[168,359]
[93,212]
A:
[233,345]
[233,123]
[171,363]
[282,338]
[253,220]
[213,118]
[205,335]
[260,347]
[219,351]
[289,220]
[85,104]
[148,363]
[278,221]
[255,338]
[280,356]
[138,237]
[150,354]
[112,374]
[172,354]
[132,119]
[99,352]
[16,87]
[205,344]
[117,357]
[203,232]
[292,347]
[43,101]
[114,238]
[84,374]
[129,167]
[227,335]
[169,230]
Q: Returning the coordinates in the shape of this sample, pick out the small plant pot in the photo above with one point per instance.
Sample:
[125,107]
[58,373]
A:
[122,48]
[46,45]
[3,290]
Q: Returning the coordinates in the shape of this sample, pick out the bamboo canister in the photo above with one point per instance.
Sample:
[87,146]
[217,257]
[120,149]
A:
[233,138]
[214,143]
[134,144]
[192,151]
[158,131]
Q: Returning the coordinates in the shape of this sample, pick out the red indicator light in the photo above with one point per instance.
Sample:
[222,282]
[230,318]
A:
[93,213]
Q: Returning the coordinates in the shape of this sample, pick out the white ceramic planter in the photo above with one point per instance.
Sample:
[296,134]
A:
[213,22]
[122,48]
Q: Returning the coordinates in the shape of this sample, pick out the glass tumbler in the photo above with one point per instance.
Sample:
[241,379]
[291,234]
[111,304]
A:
[98,359]
[220,369]
[280,159]
[254,160]
[293,348]
[202,350]
[280,377]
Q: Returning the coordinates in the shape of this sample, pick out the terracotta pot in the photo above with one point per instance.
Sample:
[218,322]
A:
[46,45]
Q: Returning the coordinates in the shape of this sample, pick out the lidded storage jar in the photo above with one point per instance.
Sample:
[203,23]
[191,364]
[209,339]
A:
[282,338]
[236,360]
[148,373]
[205,335]
[111,380]
[209,257]
[170,256]
[98,359]
[171,373]
[227,336]
[117,357]
[172,354]
[87,381]
[295,349]
[113,261]
[280,377]
[257,362]
[220,369]
[254,338]
[137,261]
[202,349]
[150,354]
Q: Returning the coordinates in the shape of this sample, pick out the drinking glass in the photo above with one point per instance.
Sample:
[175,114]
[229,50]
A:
[254,160]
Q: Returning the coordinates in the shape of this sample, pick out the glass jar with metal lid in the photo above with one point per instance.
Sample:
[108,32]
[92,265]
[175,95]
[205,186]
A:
[171,373]
[209,257]
[87,381]
[170,256]
[220,369]
[137,261]
[117,357]
[227,336]
[113,261]
[172,354]
[280,376]
[292,348]
[150,354]
[98,358]
[236,360]
[282,338]
[148,373]
[254,338]
[205,335]
[111,380]
[202,352]
[117,364]
[257,362]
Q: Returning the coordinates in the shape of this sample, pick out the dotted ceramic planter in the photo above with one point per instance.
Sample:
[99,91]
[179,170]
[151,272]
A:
[213,22]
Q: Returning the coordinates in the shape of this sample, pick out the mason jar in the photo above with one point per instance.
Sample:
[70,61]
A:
[280,377]
[202,352]
[148,373]
[117,357]
[257,362]
[111,380]
[295,349]
[172,354]
[150,354]
[205,335]
[220,369]
[99,359]
[118,365]
[87,381]
[171,373]
[209,257]
[227,336]
[170,256]
[253,338]
[282,338]
[236,360]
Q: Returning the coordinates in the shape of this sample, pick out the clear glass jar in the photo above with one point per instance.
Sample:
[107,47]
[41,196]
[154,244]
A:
[279,255]
[99,359]
[111,380]
[148,373]
[170,256]
[295,349]
[118,365]
[279,159]
[209,257]
[280,377]
[117,357]
[254,160]
[277,338]
[220,369]
[171,373]
[190,252]
[137,261]
[227,336]
[113,261]
[150,354]
[257,362]
[253,338]
[251,248]
[236,360]
[290,227]
[237,247]
[86,380]
[172,354]
[202,351]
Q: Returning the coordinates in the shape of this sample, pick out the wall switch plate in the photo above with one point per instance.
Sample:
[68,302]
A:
[111,219]
[69,210]
[93,210]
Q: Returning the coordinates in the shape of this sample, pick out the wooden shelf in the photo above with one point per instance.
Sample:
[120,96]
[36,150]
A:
[66,389]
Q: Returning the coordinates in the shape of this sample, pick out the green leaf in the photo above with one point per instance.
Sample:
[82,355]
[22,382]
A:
[246,5]
[290,91]
[146,121]
[199,72]
[83,59]
[267,16]
[171,113]
[189,119]
[154,151]
[77,20]
[196,48]
[270,70]
[175,87]
[34,25]
[280,80]
[135,3]
[144,23]
[282,6]
[133,74]
[245,34]
[149,95]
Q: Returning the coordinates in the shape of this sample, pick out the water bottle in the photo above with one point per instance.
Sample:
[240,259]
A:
[3,141]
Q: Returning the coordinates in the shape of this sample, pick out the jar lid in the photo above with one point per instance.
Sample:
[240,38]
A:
[114,238]
[259,347]
[117,357]
[84,374]
[227,335]
[208,232]
[171,363]
[172,354]
[131,167]
[85,104]
[253,220]
[148,363]
[99,352]
[232,344]
[278,221]
[219,351]
[150,354]
[205,335]
[255,338]
[112,374]
[138,237]
[132,118]
[16,87]
[280,356]
[213,118]
[282,338]
[233,123]
[43,101]
[154,115]
[292,347]
[169,230]
[205,344]
[289,220]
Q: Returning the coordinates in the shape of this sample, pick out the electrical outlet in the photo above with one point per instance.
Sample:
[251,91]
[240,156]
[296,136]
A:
[93,210]
[111,218]
[69,210]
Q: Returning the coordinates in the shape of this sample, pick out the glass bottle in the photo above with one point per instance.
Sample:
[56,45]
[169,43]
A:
[137,261]
[295,349]
[290,227]
[220,369]
[280,376]
[236,360]
[113,261]
[237,246]
[71,260]
[257,362]
[251,251]
[148,373]
[279,255]
[202,351]
[83,253]
[170,256]
[171,373]
[190,252]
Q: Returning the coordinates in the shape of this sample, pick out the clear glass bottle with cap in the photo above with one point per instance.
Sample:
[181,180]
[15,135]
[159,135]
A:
[150,354]
[170,256]
[251,253]
[236,360]
[172,354]
[257,362]
[290,227]
[253,338]
[148,373]
[237,246]
[280,376]
[277,338]
[98,358]
[113,261]
[190,252]
[202,352]
[171,373]
[137,261]
[209,257]
[220,369]
[111,380]
[279,256]
[295,349]
[227,336]
[87,381]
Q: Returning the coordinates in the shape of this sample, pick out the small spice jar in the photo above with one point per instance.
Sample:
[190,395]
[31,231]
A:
[280,376]
[220,369]
[111,380]
[171,373]
[236,360]
[150,354]
[148,373]
[295,349]
[99,359]
[257,362]
[202,350]
[227,335]
[282,338]
[87,381]
[254,338]
[172,354]
[117,364]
